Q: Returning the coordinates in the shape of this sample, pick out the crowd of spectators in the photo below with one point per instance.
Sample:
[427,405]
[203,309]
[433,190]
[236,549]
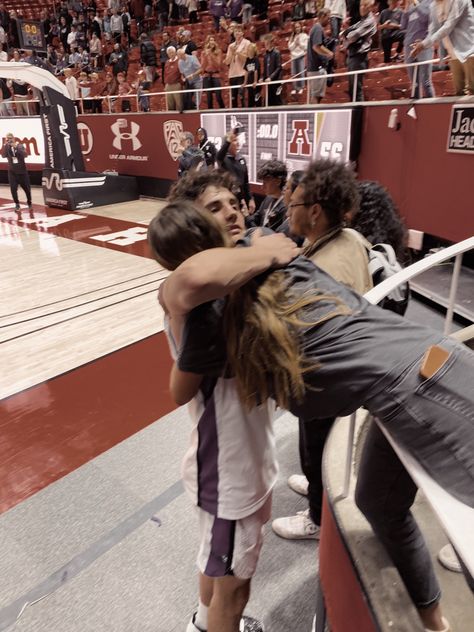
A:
[90,49]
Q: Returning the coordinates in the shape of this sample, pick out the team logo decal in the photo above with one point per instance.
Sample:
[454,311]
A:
[172,131]
[300,145]
[85,138]
[122,132]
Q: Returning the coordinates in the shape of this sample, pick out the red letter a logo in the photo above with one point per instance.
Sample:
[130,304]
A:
[299,143]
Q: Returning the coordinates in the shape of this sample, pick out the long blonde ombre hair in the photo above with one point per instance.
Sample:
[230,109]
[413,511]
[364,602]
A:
[263,324]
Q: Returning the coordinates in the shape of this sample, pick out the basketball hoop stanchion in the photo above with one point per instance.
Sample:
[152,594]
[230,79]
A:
[65,182]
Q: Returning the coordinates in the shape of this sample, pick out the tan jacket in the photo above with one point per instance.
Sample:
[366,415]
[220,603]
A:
[344,257]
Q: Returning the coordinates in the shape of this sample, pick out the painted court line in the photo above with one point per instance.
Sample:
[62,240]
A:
[10,614]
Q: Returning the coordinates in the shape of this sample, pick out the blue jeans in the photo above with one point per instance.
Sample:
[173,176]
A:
[433,418]
[423,73]
[297,67]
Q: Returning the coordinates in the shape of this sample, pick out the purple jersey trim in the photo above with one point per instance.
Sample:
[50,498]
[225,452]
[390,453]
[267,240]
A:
[207,458]
[219,563]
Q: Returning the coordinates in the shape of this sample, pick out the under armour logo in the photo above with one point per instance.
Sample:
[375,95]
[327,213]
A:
[118,129]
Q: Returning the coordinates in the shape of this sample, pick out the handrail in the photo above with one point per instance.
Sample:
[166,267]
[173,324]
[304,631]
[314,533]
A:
[278,82]
[380,291]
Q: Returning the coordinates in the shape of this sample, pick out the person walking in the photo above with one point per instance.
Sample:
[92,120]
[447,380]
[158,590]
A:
[15,153]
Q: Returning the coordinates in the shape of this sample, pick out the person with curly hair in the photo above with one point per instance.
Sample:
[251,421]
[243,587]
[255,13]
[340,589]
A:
[378,220]
[316,212]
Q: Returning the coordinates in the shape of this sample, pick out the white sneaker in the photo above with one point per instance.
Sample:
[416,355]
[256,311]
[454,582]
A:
[448,558]
[293,92]
[192,627]
[299,527]
[299,484]
[300,91]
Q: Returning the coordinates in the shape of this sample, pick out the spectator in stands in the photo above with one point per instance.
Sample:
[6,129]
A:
[63,60]
[211,64]
[71,85]
[109,90]
[126,20]
[272,70]
[3,53]
[298,45]
[235,9]
[453,24]
[16,56]
[96,26]
[95,48]
[106,25]
[13,38]
[235,59]
[124,90]
[317,57]
[116,26]
[142,87]
[415,22]
[71,39]
[192,8]
[6,104]
[359,40]
[207,147]
[217,8]
[187,43]
[148,57]
[247,10]
[4,17]
[390,27]
[163,11]
[85,92]
[114,5]
[75,58]
[64,31]
[20,96]
[272,211]
[81,39]
[96,90]
[298,10]
[252,76]
[190,69]
[118,59]
[137,11]
[172,80]
[166,42]
[229,159]
[338,14]
[51,58]
[182,11]
[84,59]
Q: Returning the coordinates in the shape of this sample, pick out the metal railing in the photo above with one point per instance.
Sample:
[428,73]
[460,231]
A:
[111,100]
[380,291]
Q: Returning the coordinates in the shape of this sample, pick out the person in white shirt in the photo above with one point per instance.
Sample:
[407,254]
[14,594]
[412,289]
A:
[116,26]
[298,43]
[71,84]
[338,11]
[71,39]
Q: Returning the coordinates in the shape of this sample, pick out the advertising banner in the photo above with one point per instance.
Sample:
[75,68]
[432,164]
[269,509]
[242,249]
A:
[27,131]
[295,137]
[461,130]
[138,145]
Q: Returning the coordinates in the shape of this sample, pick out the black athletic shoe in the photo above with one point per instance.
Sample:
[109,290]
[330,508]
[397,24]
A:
[17,207]
[247,624]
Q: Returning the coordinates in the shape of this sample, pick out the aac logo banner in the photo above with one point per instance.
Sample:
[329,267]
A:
[172,131]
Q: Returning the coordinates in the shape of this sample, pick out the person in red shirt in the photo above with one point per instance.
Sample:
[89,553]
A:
[211,63]
[172,77]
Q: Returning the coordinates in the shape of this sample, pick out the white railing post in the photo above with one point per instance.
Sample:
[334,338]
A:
[354,87]
[452,294]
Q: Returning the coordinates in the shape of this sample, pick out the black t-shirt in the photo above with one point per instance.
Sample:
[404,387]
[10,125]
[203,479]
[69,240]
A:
[389,15]
[15,157]
[6,94]
[252,66]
